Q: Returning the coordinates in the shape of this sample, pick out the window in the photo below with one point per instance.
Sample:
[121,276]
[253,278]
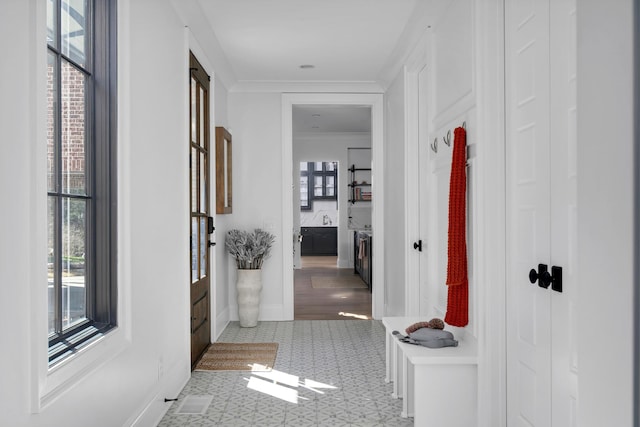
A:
[81,171]
[318,181]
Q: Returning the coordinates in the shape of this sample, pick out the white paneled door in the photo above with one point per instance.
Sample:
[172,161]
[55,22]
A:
[435,171]
[428,256]
[541,211]
[528,213]
[563,153]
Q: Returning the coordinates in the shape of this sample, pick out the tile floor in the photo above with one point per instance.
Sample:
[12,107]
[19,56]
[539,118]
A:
[345,356]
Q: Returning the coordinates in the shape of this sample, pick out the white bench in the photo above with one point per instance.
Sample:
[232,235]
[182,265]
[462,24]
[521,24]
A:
[438,386]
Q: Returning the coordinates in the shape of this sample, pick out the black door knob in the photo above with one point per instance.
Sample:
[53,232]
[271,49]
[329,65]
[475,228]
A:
[542,276]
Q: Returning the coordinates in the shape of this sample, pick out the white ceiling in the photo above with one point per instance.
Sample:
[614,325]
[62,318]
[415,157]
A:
[310,119]
[346,40]
[349,42]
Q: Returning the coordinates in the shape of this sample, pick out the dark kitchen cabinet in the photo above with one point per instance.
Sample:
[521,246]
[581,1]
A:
[362,257]
[319,241]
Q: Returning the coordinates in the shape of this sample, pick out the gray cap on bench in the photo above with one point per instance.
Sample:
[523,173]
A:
[434,338]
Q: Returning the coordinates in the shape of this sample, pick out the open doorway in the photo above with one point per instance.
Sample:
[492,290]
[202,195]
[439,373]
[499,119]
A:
[331,204]
[324,290]
[372,104]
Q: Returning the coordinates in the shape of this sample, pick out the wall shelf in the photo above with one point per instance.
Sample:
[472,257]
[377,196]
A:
[360,185]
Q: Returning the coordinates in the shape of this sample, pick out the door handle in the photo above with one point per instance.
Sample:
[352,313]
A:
[542,276]
[556,278]
[418,245]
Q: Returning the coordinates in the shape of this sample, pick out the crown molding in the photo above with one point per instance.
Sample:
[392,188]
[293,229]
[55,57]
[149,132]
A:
[323,136]
[283,86]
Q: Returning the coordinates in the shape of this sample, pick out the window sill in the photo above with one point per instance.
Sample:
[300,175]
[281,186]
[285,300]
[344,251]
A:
[66,346]
[60,377]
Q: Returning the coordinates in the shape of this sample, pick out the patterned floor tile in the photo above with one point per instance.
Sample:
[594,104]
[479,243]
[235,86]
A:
[340,361]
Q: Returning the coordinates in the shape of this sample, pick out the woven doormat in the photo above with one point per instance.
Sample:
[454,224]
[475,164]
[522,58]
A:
[337,282]
[224,356]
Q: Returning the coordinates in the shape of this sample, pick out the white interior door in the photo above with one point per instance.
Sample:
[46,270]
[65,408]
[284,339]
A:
[541,211]
[434,177]
[563,152]
[528,212]
[426,294]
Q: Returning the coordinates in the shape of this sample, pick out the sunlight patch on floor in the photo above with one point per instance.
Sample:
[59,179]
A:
[284,386]
[355,316]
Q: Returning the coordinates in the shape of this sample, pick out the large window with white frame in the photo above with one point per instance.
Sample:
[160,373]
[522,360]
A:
[81,171]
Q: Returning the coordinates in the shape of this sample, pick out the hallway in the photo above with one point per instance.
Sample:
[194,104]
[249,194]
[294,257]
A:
[100,153]
[337,303]
[347,357]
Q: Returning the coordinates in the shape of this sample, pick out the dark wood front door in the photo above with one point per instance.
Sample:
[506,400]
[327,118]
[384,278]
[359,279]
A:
[199,207]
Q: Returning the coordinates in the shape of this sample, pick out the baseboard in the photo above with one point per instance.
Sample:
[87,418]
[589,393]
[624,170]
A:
[151,414]
[272,312]
[268,313]
[344,263]
[221,322]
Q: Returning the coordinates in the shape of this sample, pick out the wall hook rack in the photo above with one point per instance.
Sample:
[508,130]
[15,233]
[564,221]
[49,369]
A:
[447,139]
[434,145]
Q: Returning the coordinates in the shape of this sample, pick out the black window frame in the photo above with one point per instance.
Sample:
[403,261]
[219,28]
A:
[308,205]
[311,173]
[100,70]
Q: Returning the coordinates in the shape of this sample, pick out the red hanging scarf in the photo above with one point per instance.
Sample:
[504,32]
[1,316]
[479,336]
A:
[457,280]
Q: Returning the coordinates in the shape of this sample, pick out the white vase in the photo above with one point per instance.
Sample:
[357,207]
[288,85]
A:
[248,286]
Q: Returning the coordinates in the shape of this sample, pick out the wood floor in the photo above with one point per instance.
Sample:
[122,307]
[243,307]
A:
[331,303]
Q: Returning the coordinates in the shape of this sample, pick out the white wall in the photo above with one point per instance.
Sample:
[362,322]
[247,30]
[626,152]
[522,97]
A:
[147,358]
[605,79]
[221,95]
[452,100]
[328,148]
[255,119]
[394,230]
[221,269]
[20,230]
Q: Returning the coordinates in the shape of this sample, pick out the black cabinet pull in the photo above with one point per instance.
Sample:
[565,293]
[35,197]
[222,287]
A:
[418,245]
[556,278]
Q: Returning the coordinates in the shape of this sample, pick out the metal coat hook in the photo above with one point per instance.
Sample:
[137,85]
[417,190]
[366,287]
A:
[447,139]
[464,125]
[434,145]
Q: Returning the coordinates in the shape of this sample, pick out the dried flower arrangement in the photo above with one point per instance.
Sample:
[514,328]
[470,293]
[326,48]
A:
[250,249]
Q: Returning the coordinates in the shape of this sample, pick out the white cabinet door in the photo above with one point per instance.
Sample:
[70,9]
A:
[541,210]
[563,152]
[528,212]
